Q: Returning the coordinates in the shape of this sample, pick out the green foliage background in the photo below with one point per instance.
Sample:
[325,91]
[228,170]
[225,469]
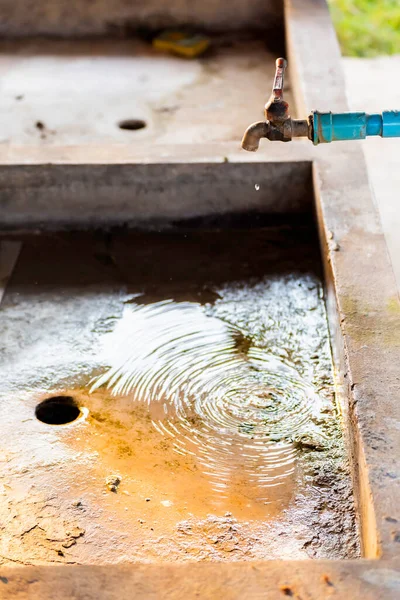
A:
[367,27]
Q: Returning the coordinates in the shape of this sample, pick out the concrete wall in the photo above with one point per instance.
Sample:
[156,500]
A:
[69,18]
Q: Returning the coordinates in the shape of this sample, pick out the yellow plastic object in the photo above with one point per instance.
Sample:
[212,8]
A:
[181,43]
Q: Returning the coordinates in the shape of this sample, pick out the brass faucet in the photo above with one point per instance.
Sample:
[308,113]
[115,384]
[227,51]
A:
[278,124]
[319,127]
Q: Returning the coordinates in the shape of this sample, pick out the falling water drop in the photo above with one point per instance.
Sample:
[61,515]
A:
[257,187]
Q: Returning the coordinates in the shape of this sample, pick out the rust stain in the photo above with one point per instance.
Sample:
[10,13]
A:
[393,305]
[130,488]
[367,324]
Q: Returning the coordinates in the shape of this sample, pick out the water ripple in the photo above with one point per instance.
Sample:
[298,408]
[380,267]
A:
[233,406]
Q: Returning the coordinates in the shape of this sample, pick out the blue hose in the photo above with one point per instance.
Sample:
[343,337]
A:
[332,127]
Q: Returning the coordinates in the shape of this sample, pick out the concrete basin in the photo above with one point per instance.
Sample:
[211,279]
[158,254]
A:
[115,240]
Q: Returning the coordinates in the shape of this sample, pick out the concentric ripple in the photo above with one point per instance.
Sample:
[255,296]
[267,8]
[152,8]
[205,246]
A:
[233,406]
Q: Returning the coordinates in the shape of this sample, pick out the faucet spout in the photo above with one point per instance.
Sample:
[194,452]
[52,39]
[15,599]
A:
[278,124]
[253,134]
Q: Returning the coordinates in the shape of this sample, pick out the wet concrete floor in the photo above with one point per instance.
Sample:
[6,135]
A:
[208,426]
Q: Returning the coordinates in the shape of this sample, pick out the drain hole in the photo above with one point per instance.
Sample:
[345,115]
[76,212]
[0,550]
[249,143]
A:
[132,124]
[58,410]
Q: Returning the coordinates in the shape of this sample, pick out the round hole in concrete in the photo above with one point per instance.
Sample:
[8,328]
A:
[58,410]
[132,124]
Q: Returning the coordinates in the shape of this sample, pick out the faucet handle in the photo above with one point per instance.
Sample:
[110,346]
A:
[277,89]
[276,108]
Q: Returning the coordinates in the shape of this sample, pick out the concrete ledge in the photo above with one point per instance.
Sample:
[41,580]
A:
[275,580]
[83,196]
